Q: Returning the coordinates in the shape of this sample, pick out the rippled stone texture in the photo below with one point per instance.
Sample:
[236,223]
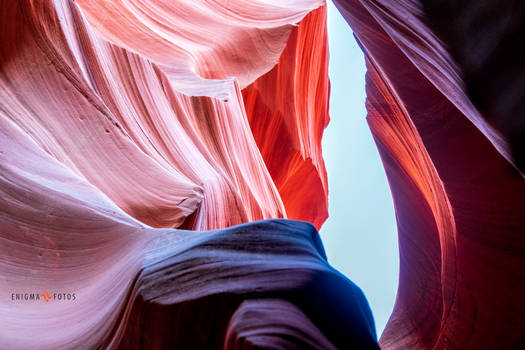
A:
[135,137]
[458,195]
[142,142]
[137,286]
[288,111]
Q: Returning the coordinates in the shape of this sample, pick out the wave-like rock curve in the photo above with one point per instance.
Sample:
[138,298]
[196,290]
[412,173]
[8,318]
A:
[141,143]
[457,190]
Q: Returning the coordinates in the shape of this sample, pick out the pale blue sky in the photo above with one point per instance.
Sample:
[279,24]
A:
[360,237]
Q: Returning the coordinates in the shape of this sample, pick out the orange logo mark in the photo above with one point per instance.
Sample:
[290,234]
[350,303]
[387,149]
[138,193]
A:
[46,296]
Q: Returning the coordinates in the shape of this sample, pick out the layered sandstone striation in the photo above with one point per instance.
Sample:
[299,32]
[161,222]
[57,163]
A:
[151,152]
[132,145]
[453,171]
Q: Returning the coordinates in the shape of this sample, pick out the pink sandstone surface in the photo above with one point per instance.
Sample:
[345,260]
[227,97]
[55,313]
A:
[142,143]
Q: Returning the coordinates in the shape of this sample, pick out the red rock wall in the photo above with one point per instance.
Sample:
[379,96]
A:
[458,199]
[288,112]
[134,134]
[124,136]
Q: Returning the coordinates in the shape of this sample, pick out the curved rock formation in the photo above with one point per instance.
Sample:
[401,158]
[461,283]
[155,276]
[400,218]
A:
[217,280]
[288,111]
[140,140]
[133,286]
[122,124]
[458,198]
[486,44]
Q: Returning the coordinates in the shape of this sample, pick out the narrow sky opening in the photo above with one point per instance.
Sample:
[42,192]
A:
[360,236]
